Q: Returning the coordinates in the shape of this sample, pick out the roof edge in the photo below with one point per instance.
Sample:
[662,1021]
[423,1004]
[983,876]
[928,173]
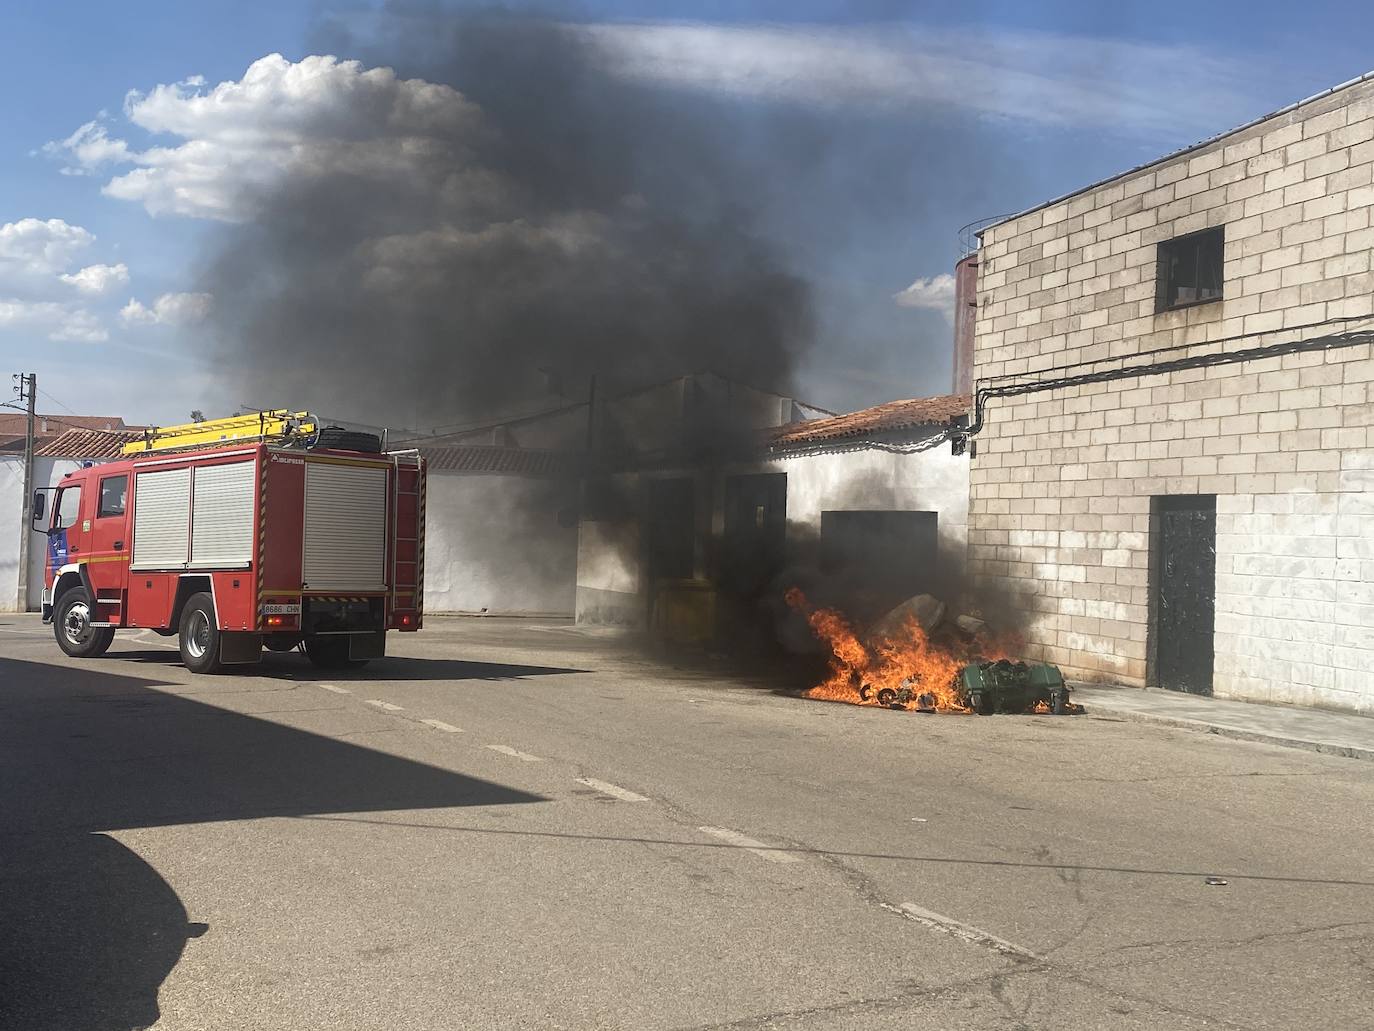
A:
[1348,84]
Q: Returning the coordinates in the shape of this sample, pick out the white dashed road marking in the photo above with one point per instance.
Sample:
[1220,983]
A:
[759,849]
[514,754]
[614,790]
[969,933]
[387,706]
[336,690]
[447,728]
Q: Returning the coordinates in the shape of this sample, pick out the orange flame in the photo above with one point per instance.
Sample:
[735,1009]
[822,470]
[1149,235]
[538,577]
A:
[909,670]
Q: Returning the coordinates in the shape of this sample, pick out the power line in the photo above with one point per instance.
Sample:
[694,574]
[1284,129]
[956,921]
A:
[55,400]
[1173,348]
[960,435]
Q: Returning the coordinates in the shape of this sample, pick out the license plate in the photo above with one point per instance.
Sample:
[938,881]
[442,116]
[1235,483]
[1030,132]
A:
[282,610]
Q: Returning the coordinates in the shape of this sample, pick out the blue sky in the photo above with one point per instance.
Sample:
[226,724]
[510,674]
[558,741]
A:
[995,107]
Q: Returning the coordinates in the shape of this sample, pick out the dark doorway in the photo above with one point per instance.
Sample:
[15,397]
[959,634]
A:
[1183,587]
[672,529]
[880,558]
[755,532]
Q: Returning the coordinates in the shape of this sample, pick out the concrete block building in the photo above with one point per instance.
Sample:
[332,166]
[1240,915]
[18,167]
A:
[1173,481]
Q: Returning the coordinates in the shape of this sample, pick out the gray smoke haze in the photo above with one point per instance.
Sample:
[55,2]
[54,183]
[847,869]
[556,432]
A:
[538,222]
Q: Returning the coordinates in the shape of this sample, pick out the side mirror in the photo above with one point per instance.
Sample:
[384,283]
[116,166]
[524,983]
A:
[40,506]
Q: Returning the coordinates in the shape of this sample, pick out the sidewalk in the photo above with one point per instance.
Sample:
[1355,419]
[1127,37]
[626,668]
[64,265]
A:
[1316,730]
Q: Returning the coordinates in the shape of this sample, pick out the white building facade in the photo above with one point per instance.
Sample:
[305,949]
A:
[47,472]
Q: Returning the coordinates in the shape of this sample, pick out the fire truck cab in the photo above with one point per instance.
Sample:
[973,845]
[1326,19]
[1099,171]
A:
[259,531]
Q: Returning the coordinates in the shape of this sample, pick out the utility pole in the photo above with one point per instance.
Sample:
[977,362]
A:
[28,391]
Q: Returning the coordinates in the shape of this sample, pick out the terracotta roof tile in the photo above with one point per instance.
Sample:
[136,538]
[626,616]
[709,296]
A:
[56,425]
[87,444]
[883,420]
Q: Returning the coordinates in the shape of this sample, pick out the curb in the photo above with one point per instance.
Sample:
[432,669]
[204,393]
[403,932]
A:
[1199,726]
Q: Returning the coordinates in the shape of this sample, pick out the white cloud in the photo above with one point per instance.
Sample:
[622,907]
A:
[33,302]
[1042,78]
[167,310]
[57,321]
[231,142]
[96,279]
[80,326]
[933,294]
[240,137]
[33,247]
[89,148]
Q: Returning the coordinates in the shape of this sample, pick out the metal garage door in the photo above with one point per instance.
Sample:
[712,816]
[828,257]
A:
[222,516]
[345,527]
[162,519]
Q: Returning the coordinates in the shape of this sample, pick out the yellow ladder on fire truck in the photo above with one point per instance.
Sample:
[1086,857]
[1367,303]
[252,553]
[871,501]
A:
[275,425]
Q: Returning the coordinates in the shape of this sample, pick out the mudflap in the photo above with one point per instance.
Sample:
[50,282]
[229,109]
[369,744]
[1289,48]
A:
[238,648]
[366,646]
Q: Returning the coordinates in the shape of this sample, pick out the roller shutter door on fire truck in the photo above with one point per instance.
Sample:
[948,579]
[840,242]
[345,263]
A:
[162,513]
[198,518]
[345,528]
[222,516]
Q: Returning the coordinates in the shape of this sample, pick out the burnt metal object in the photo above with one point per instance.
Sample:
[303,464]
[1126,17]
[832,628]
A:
[904,696]
[1006,686]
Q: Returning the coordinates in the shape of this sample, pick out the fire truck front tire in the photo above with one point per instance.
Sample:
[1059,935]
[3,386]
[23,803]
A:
[72,626]
[199,635]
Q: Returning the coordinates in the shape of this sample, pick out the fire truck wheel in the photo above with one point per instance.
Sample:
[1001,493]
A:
[199,636]
[331,653]
[72,625]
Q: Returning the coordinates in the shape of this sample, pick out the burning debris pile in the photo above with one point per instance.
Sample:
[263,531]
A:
[912,659]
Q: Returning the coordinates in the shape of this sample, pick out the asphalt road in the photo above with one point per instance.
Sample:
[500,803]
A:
[510,826]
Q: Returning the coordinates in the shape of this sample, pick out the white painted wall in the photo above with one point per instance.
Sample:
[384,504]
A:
[493,542]
[611,587]
[1295,594]
[927,481]
[46,473]
[11,505]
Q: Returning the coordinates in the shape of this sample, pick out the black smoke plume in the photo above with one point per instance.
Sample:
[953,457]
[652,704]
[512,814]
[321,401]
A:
[549,222]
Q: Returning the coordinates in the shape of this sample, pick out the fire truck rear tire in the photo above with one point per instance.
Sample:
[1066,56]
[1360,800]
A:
[199,636]
[72,626]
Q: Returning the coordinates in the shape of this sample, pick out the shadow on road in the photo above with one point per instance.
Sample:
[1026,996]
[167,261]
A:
[88,930]
[293,666]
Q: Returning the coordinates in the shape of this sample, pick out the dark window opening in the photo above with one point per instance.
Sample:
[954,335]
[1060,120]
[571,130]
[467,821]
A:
[1190,269]
[113,491]
[755,538]
[672,529]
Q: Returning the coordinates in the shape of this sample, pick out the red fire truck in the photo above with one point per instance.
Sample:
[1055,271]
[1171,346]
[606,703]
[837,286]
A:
[259,531]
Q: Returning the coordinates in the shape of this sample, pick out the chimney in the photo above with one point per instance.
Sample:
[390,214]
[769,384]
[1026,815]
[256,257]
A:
[965,312]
